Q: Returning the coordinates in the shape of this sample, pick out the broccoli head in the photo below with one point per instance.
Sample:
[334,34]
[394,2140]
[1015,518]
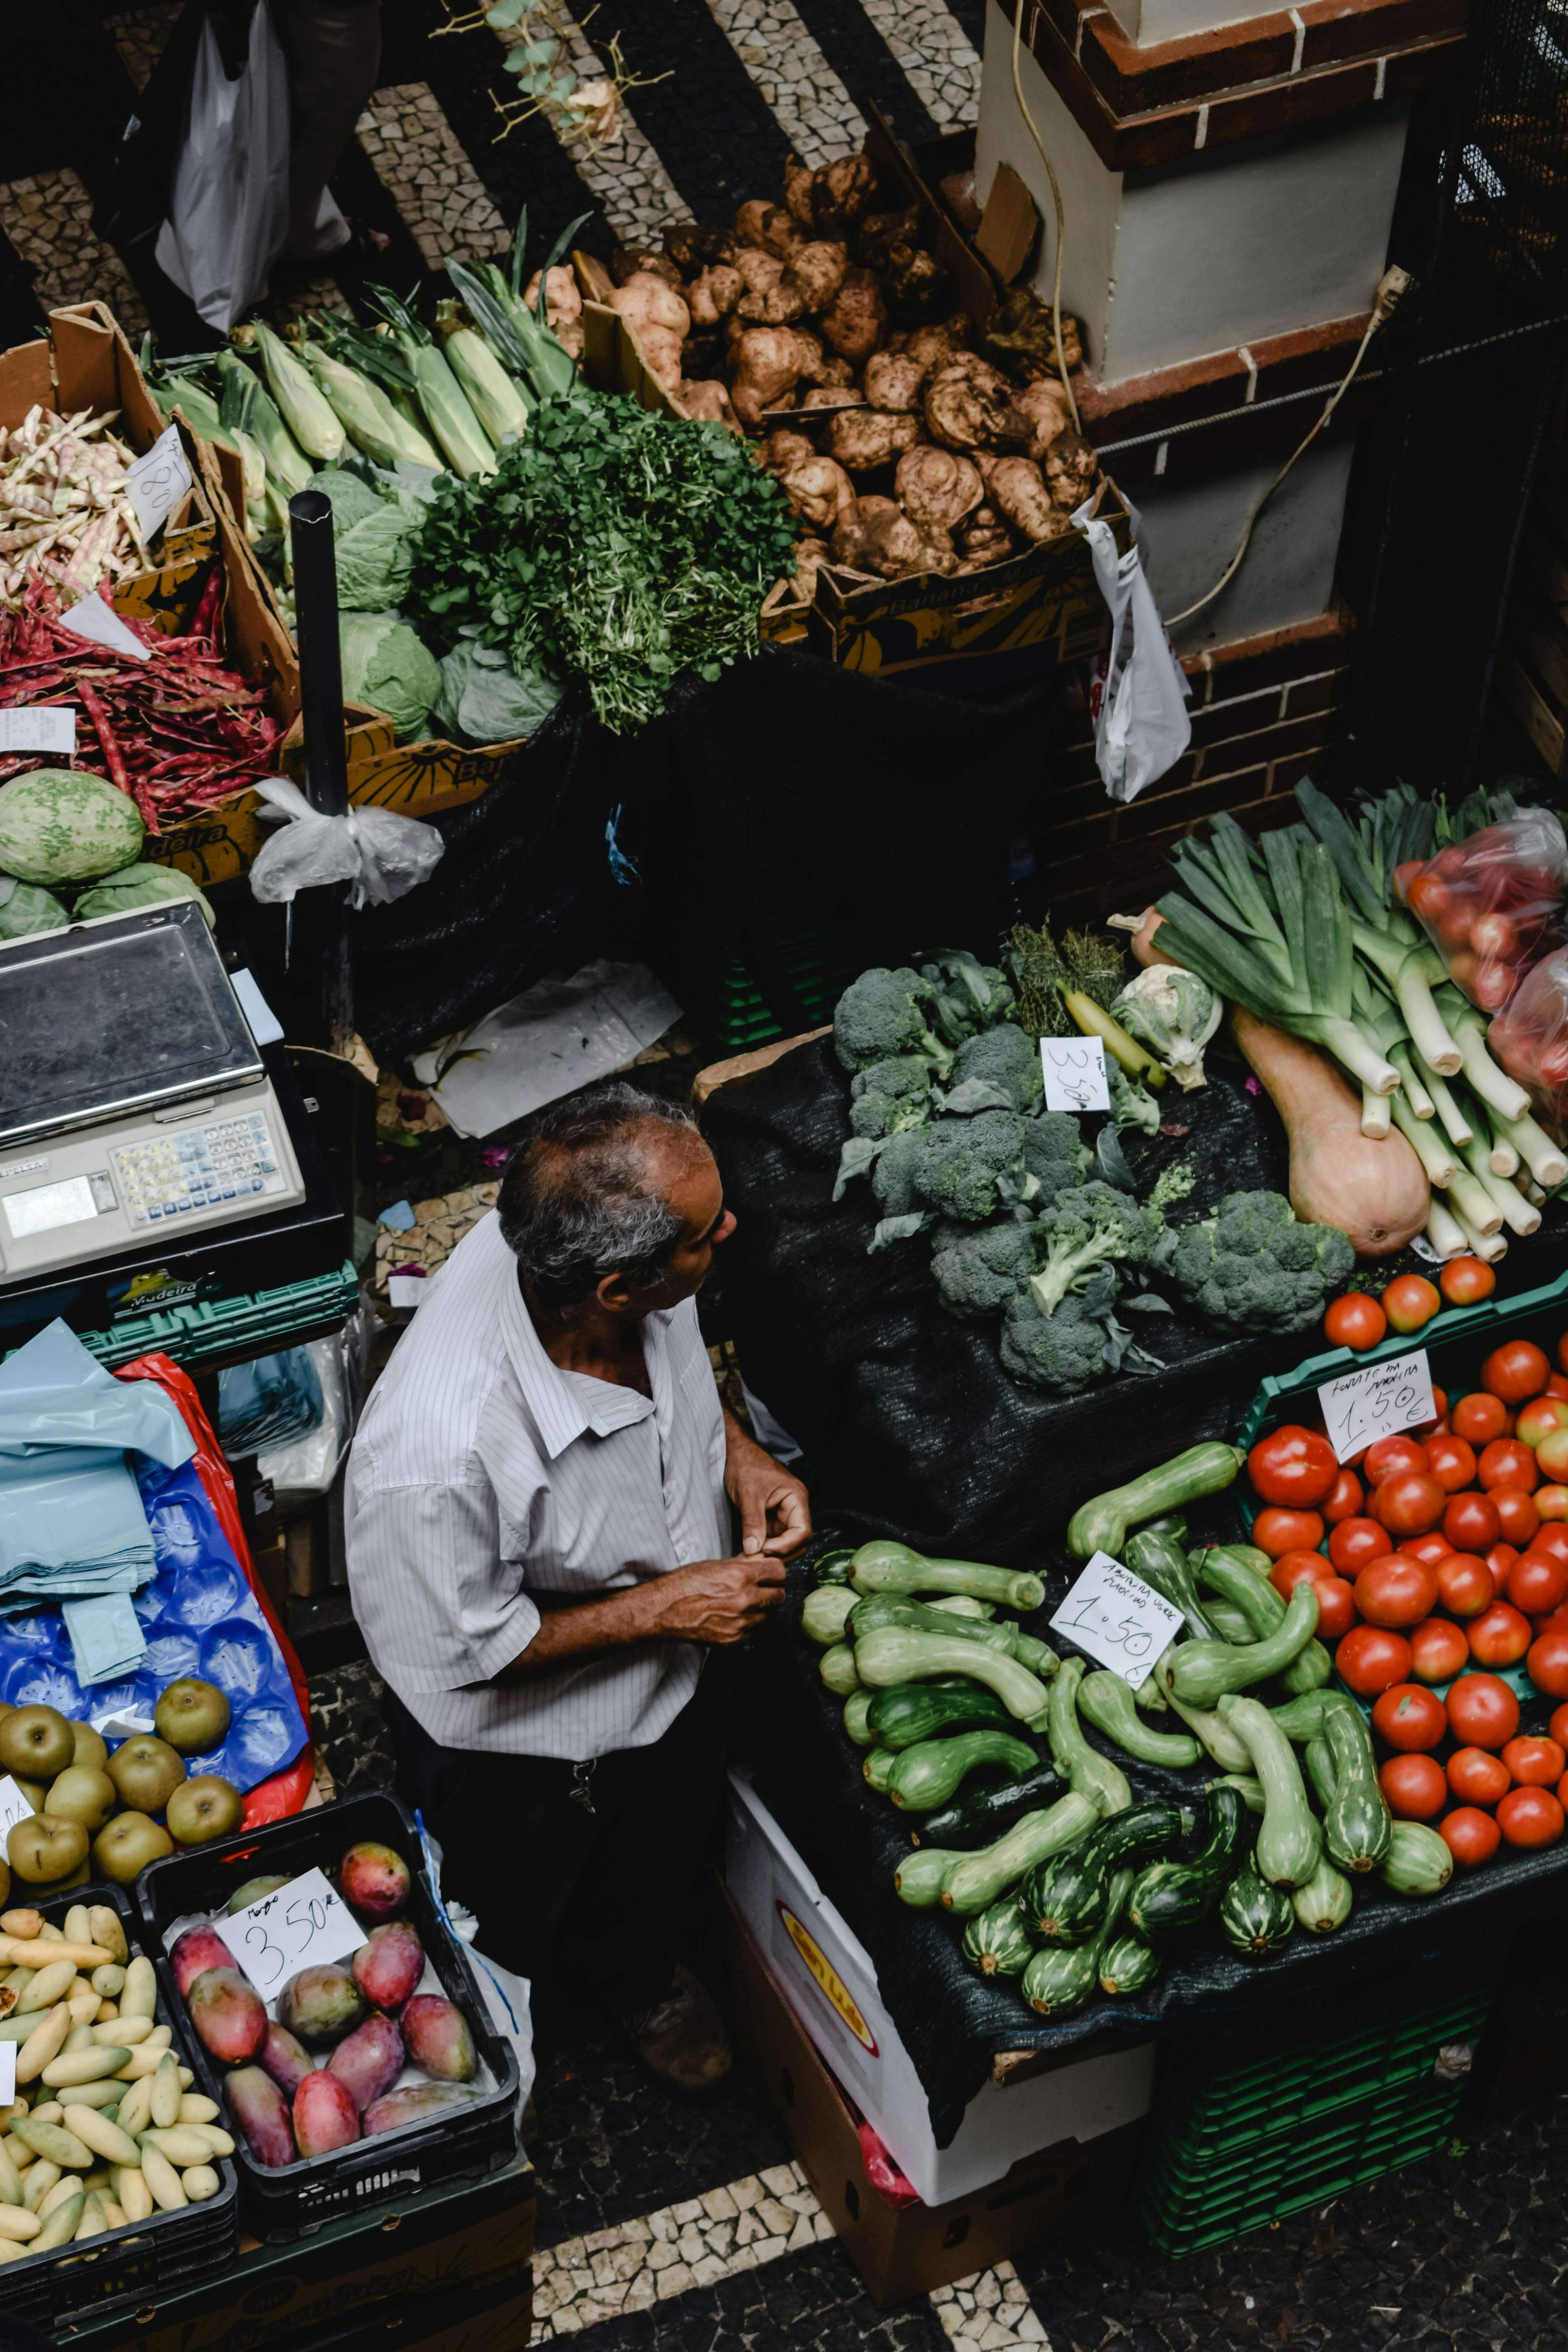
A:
[1132,1104]
[1085,1229]
[969,1166]
[898,1165]
[886,1097]
[1064,1351]
[978,1269]
[1252,1267]
[966,994]
[1005,1060]
[1054,1154]
[884,1015]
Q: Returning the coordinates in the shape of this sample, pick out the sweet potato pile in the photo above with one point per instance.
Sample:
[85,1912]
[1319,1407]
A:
[947,448]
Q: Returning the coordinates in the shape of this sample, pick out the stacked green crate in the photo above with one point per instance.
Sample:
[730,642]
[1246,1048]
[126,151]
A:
[818,971]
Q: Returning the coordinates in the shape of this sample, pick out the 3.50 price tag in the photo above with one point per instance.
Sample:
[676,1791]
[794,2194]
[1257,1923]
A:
[1123,1622]
[1377,1401]
[1074,1075]
[302,1925]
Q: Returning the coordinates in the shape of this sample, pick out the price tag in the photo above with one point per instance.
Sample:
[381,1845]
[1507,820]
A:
[1377,1401]
[157,482]
[14,1807]
[1075,1074]
[300,1926]
[97,621]
[1121,1622]
[7,2074]
[45,729]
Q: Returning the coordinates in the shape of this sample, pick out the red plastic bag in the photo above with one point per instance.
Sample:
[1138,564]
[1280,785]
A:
[882,2170]
[286,1791]
[1489,903]
[1529,1038]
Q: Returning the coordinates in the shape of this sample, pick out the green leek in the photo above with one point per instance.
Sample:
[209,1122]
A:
[306,410]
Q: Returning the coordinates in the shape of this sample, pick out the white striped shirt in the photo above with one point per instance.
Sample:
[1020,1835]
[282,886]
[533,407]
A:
[484,1479]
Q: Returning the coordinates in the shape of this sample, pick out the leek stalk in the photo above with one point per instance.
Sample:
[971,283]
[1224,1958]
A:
[1546,1163]
[1435,1155]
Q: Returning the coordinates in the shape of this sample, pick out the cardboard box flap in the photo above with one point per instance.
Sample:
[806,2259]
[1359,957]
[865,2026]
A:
[95,368]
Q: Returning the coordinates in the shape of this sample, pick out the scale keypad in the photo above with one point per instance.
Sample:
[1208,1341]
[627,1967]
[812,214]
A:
[178,1175]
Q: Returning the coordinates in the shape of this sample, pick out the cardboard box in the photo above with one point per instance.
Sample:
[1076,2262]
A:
[827,1977]
[87,363]
[904,2251]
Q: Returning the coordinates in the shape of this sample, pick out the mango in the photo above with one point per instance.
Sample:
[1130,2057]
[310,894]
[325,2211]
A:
[198,1948]
[369,2062]
[285,2059]
[437,2037]
[389,1964]
[415,2104]
[320,2005]
[325,2116]
[252,1891]
[228,2017]
[374,1881]
[260,2110]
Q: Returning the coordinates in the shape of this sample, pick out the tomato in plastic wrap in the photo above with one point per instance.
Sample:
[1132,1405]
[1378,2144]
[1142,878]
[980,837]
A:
[1489,903]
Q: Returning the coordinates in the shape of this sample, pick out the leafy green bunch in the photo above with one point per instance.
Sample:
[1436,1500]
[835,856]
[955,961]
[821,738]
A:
[610,545]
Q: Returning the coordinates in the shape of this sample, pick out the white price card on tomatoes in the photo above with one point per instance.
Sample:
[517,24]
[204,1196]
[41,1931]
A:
[1074,1075]
[304,1925]
[1123,1622]
[1377,1401]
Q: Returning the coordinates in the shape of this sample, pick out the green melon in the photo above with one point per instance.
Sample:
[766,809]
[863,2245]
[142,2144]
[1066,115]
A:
[58,825]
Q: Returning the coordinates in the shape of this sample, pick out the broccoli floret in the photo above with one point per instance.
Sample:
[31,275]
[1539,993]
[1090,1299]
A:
[978,1269]
[884,1015]
[1064,1351]
[1252,1267]
[1085,1229]
[888,1097]
[966,994]
[1003,1058]
[1173,1185]
[898,1165]
[1132,1104]
[965,1162]
[1054,1154]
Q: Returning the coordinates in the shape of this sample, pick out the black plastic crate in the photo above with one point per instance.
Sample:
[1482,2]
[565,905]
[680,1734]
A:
[289,2201]
[128,2267]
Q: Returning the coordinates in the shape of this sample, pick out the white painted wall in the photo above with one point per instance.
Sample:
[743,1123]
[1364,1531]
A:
[1191,528]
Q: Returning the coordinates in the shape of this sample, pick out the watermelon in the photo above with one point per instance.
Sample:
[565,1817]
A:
[58,825]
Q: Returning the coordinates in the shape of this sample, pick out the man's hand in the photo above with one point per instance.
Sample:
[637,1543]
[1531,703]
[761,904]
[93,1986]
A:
[716,1602]
[774,1508]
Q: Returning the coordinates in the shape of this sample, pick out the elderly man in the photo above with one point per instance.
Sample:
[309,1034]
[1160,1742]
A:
[542,1556]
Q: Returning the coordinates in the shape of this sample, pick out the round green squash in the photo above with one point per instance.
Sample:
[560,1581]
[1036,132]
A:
[58,824]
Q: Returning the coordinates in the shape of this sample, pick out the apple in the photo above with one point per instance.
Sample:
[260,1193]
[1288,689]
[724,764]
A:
[192,1716]
[122,1850]
[146,1771]
[204,1807]
[45,1848]
[36,1740]
[82,1793]
[91,1745]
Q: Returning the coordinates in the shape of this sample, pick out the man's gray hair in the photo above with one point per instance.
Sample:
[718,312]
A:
[577,1203]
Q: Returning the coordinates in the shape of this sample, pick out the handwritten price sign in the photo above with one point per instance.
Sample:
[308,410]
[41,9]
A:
[1075,1074]
[302,1923]
[157,482]
[1377,1401]
[1120,1620]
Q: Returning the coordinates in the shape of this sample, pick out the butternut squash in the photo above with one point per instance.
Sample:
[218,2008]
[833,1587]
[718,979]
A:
[1372,1188]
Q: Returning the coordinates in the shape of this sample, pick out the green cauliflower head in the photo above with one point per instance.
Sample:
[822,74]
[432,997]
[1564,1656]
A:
[1252,1267]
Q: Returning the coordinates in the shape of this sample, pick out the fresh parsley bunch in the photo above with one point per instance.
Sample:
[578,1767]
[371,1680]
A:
[611,545]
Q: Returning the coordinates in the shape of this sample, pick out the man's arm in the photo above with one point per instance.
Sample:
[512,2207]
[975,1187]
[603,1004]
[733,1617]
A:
[774,1508]
[715,1601]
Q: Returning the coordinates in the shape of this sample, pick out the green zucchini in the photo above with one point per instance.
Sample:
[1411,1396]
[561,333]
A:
[1303,1718]
[833,1568]
[980,1817]
[1160,1560]
[838,1671]
[913,1711]
[855,1708]
[1357,1823]
[1417,1862]
[1104,1700]
[963,1604]
[1264,1612]
[1103,1523]
[1060,1980]
[1320,1769]
[1203,1672]
[1038,1657]
[883,1566]
[1255,1918]
[976,1881]
[824,1612]
[890,1654]
[1247,1787]
[895,1609]
[1172,1894]
[1230,1625]
[1290,1840]
[1065,1898]
[1222,1745]
[1127,1965]
[877,1767]
[1256,1563]
[1325,1903]
[933,1771]
[918,1879]
[1148,1696]
[997,1943]
[1081,1767]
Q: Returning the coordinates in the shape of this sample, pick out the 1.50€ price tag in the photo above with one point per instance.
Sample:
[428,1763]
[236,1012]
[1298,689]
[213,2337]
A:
[1377,1401]
[298,1927]
[1123,1622]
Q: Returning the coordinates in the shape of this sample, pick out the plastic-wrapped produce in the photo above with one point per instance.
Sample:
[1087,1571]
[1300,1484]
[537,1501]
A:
[1529,1037]
[1489,903]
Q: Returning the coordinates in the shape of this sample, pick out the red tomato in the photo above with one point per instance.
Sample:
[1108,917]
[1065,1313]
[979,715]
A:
[1277,1531]
[1293,1466]
[1470,1837]
[1439,1651]
[1477,1418]
[1558,1727]
[1336,1607]
[1530,1817]
[1546,1662]
[1535,1763]
[1517,1514]
[1370,1660]
[1501,1636]
[1409,1717]
[1346,1499]
[1465,1584]
[1537,1584]
[1506,1463]
[1396,1590]
[1355,1542]
[1551,1455]
[1463,1280]
[1354,1322]
[1552,1539]
[1472,1523]
[1482,1710]
[1411,1300]
[1563,1351]
[1389,1455]
[1425,1429]
[1409,1504]
[1499,1559]
[1292,1568]
[1540,1417]
[1451,1462]
[1478,1778]
[1431,1548]
[1552,1502]
[1517,1370]
[1557,1386]
[1414,1788]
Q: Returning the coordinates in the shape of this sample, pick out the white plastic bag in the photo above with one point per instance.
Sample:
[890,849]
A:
[383,855]
[228,201]
[304,1469]
[1143,727]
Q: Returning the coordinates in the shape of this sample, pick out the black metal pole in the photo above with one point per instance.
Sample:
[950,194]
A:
[326,753]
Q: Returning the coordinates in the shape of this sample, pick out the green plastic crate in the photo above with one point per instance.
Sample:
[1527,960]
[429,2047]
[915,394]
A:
[819,972]
[206,1330]
[1237,2144]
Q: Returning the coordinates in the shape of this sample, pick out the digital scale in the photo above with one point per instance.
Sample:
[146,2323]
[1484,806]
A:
[136,1110]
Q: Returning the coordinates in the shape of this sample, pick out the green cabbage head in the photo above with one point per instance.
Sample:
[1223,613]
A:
[386,666]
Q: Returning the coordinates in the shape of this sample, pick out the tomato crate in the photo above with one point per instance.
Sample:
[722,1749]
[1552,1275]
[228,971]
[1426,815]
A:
[1236,2145]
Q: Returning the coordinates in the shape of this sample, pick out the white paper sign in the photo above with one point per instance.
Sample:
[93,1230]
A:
[405,1290]
[14,1807]
[1075,1074]
[1377,1401]
[1123,1622]
[157,482]
[301,1925]
[43,729]
[101,625]
[7,2074]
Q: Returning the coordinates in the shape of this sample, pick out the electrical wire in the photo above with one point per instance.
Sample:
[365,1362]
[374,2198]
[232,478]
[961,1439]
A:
[1057,201]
